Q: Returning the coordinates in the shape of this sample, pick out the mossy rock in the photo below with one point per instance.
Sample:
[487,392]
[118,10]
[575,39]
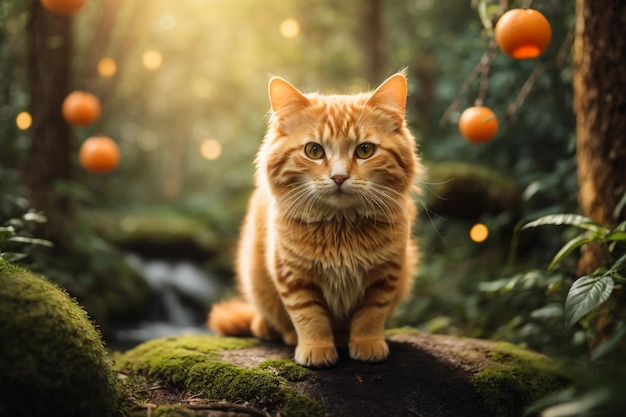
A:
[426,374]
[159,233]
[52,359]
[197,364]
[514,370]
[467,191]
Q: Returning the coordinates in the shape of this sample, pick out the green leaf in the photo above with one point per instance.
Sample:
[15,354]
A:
[31,241]
[569,247]
[37,217]
[582,405]
[567,219]
[493,286]
[548,312]
[586,293]
[12,256]
[616,236]
[619,264]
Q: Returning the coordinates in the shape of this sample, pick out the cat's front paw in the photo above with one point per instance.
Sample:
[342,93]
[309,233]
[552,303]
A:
[316,355]
[372,350]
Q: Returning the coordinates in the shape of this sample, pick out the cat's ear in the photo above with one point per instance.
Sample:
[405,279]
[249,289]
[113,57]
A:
[391,96]
[284,96]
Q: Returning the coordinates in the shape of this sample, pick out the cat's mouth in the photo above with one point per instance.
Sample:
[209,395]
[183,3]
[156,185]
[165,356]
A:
[341,197]
[339,191]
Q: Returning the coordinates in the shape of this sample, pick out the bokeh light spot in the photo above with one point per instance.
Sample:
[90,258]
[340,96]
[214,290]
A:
[479,232]
[167,22]
[23,120]
[210,149]
[107,67]
[289,28]
[152,59]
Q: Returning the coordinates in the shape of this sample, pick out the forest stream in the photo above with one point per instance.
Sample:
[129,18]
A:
[182,290]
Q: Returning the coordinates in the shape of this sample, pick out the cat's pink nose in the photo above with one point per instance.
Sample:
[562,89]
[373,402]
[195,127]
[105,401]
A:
[339,179]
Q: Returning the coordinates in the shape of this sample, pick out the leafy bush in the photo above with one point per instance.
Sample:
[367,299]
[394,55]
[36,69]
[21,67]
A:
[580,303]
[589,291]
[16,233]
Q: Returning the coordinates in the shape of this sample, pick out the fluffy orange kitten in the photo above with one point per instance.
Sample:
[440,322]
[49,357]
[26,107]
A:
[325,252]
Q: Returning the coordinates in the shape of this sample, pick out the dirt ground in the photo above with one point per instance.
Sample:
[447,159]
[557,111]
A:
[412,382]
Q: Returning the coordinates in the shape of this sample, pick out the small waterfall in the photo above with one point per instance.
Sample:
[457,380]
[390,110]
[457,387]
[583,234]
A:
[176,282]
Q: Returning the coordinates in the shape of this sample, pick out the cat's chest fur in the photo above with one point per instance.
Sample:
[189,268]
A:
[338,256]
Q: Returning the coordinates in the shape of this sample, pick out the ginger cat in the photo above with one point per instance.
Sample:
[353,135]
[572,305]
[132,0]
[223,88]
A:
[325,252]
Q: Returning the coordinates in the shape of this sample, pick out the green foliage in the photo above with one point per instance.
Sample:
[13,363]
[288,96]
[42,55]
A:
[602,400]
[95,271]
[588,292]
[599,384]
[16,239]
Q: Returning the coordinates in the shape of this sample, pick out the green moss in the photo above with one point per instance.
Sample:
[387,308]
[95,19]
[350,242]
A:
[402,330]
[221,380]
[298,405]
[194,364]
[52,356]
[516,377]
[171,358]
[286,368]
[172,411]
[157,227]
[469,190]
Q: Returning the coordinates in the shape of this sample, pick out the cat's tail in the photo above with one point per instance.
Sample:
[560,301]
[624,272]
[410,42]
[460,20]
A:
[231,317]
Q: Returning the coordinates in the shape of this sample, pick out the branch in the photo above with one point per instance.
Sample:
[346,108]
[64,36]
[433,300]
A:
[485,62]
[224,406]
[557,63]
[484,74]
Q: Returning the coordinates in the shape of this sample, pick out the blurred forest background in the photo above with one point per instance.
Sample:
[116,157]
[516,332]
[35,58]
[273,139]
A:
[183,88]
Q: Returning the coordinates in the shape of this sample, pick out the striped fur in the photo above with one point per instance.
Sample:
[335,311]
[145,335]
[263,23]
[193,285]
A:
[325,252]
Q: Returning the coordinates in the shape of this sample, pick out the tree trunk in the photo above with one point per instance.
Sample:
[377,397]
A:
[600,105]
[49,158]
[372,32]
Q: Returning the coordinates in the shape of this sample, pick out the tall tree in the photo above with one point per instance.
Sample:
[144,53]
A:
[49,157]
[600,105]
[372,34]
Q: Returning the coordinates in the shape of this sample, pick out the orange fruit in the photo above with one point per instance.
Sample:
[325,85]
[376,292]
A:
[523,33]
[81,108]
[99,154]
[478,124]
[63,7]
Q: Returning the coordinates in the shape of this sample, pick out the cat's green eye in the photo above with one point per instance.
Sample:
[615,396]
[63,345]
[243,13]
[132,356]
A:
[314,150]
[365,150]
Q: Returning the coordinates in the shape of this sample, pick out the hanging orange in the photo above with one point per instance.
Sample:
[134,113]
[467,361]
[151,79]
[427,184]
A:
[81,108]
[478,124]
[63,7]
[99,154]
[523,33]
